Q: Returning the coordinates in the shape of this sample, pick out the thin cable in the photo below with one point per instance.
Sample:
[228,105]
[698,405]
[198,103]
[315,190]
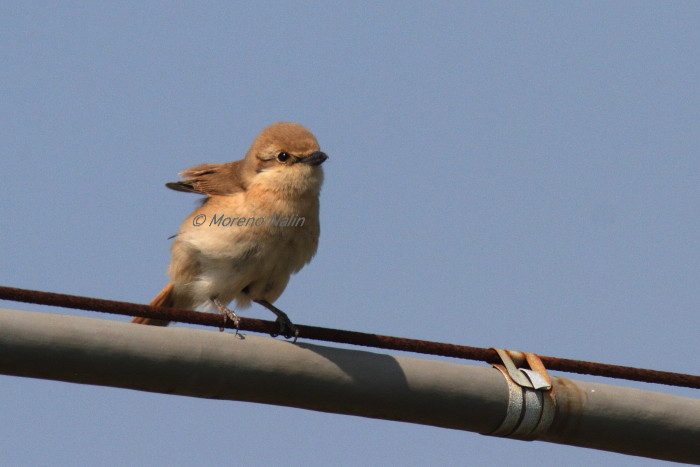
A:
[345,337]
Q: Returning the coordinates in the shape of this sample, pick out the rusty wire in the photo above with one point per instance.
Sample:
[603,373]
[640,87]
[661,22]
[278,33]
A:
[344,337]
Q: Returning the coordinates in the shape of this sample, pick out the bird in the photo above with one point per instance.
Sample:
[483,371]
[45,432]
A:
[257,225]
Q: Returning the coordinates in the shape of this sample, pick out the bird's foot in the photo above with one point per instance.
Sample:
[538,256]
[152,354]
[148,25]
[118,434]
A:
[226,314]
[287,328]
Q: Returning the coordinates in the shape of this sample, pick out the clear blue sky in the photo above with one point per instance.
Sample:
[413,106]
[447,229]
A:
[516,175]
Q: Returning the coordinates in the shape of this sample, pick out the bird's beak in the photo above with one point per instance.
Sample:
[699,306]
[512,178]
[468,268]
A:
[316,158]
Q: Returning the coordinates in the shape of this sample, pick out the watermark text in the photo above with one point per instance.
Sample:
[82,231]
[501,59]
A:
[222,220]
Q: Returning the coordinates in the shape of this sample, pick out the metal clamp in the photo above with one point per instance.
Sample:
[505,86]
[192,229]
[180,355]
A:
[531,399]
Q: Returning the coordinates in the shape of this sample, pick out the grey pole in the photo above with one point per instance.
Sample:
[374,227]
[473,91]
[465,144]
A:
[214,365]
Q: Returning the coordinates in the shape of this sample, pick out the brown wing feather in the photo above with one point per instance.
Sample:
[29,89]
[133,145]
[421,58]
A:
[211,179]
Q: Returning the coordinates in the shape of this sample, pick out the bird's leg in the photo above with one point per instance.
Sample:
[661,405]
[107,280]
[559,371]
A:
[287,328]
[226,313]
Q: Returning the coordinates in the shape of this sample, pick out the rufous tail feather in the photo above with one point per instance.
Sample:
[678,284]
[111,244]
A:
[164,298]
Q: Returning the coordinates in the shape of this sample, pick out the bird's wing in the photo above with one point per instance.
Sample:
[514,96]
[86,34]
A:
[211,179]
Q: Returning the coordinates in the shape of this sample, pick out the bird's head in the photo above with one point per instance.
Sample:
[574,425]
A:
[286,159]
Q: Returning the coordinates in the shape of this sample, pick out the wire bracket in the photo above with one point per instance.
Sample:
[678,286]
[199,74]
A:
[531,399]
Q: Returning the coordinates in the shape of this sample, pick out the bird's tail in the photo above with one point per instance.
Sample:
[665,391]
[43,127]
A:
[164,298]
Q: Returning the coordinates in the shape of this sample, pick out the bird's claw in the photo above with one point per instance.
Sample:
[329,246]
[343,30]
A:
[227,315]
[287,328]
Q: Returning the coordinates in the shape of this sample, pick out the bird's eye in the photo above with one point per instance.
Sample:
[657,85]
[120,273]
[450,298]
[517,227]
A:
[283,157]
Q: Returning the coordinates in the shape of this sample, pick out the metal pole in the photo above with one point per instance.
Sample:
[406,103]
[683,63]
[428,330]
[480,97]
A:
[209,364]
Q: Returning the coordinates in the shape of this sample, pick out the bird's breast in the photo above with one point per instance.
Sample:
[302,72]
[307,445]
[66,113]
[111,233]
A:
[252,238]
